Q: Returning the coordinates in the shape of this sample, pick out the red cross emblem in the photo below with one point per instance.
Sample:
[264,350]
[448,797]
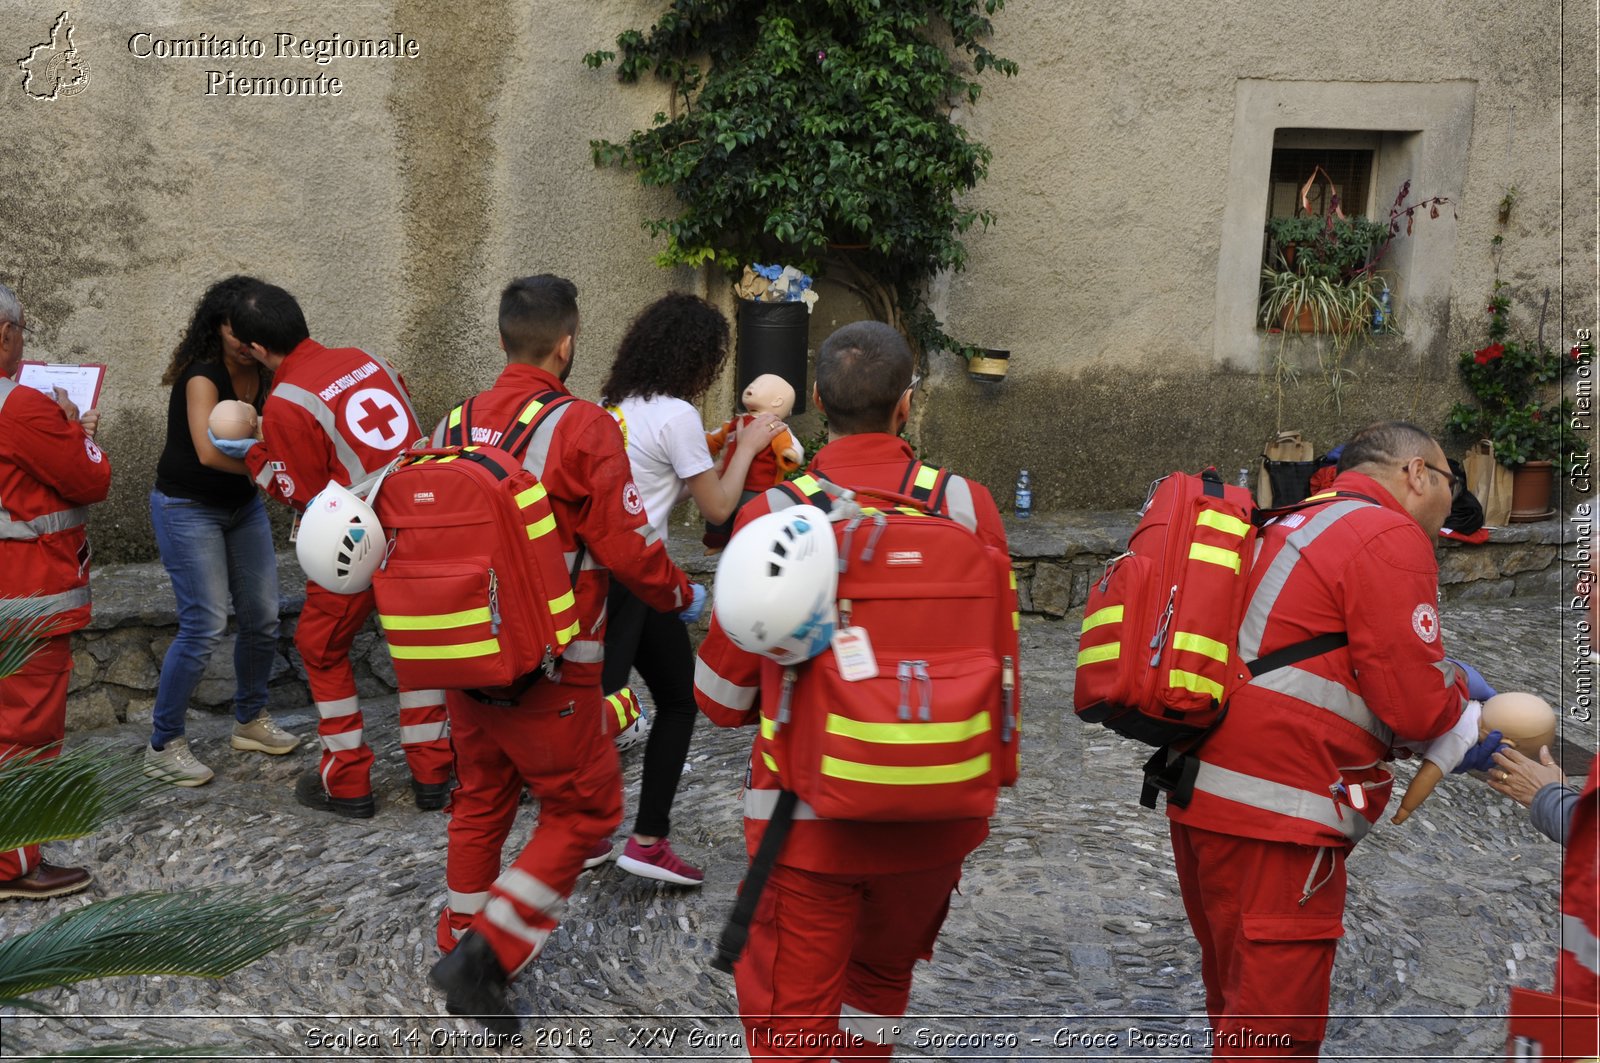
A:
[1425,622]
[376,418]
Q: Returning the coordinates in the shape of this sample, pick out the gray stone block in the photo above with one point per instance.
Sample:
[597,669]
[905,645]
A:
[1052,588]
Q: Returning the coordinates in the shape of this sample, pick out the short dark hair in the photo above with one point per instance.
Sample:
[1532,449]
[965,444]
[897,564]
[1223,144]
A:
[862,370]
[674,347]
[266,314]
[1385,443]
[536,314]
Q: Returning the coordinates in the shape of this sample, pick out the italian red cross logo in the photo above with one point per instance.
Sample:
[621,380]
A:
[1425,622]
[376,418]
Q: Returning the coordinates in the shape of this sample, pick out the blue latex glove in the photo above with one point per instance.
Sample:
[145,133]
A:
[1481,756]
[233,448]
[696,607]
[1478,688]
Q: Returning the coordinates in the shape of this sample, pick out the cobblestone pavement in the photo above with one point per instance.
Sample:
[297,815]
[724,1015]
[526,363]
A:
[1067,940]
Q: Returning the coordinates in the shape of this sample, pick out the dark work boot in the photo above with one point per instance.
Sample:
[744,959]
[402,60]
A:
[474,984]
[308,790]
[431,796]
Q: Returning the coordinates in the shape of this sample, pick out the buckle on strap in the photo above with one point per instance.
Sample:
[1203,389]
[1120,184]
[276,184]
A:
[1171,772]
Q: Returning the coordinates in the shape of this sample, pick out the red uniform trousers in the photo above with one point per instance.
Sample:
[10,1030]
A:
[826,972]
[327,629]
[33,715]
[554,743]
[1267,960]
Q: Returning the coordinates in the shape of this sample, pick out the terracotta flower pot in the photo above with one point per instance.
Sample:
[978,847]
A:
[1304,321]
[1531,483]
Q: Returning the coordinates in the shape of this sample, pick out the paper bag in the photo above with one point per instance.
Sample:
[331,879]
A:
[1490,482]
[1287,462]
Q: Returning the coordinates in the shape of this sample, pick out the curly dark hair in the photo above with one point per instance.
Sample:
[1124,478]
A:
[675,347]
[199,342]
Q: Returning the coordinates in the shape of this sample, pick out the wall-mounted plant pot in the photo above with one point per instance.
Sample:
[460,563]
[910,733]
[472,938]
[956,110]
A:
[772,339]
[990,365]
[1531,484]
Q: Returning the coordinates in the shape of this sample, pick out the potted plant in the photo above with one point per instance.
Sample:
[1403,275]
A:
[1518,405]
[826,139]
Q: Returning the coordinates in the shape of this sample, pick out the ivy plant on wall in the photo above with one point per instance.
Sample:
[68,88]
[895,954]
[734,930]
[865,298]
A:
[820,135]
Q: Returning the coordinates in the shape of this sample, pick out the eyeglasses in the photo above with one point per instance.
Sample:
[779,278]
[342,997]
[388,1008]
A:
[916,378]
[26,329]
[1451,480]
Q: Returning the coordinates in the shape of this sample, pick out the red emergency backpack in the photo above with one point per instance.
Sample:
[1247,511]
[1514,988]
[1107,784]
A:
[1158,654]
[473,593]
[936,732]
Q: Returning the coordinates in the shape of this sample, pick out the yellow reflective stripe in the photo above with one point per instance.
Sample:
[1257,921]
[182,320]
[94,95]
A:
[542,527]
[1222,522]
[1325,494]
[1197,683]
[531,495]
[1095,654]
[1111,614]
[927,476]
[455,416]
[434,621]
[771,764]
[1013,579]
[895,775]
[1214,555]
[529,411]
[567,635]
[445,653]
[619,706]
[561,603]
[807,484]
[1016,621]
[1188,640]
[910,734]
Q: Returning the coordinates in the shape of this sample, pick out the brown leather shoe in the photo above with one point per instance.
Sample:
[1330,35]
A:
[46,880]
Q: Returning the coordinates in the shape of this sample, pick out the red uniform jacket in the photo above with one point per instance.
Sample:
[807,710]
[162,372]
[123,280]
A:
[1298,757]
[1578,967]
[335,413]
[727,680]
[50,472]
[578,456]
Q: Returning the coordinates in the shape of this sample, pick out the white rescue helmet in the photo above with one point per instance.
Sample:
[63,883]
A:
[776,584]
[340,541]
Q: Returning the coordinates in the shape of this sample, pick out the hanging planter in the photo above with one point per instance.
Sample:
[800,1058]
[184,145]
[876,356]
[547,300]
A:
[991,364]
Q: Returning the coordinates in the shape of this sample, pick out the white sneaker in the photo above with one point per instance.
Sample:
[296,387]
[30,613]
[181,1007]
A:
[634,733]
[262,735]
[175,764]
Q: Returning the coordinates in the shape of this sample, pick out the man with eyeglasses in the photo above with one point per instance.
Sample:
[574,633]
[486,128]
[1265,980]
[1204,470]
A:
[1294,776]
[50,472]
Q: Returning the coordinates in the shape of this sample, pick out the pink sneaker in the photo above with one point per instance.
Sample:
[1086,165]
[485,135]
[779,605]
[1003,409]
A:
[598,855]
[659,862]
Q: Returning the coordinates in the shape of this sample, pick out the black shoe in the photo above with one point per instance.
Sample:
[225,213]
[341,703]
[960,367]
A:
[309,792]
[431,796]
[474,984]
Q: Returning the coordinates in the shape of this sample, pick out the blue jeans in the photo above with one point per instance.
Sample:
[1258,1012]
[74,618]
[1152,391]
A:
[212,552]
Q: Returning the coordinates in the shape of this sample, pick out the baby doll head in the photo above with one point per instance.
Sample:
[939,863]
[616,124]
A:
[769,393]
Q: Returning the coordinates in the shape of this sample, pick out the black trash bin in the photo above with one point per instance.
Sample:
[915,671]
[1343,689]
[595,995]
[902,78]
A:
[772,339]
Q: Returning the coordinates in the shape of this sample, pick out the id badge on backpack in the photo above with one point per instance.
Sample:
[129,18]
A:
[853,651]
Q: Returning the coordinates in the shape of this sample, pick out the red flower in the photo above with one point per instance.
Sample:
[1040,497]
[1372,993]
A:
[1577,352]
[1488,354]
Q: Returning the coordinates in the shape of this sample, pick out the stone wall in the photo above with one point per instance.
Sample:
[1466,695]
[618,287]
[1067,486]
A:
[116,660]
[398,209]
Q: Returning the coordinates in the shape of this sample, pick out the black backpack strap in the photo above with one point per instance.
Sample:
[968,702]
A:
[806,490]
[457,425]
[529,417]
[926,483]
[1295,652]
[737,929]
[1262,516]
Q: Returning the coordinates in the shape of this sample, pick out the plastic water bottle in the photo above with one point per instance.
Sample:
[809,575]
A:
[1244,478]
[1380,315]
[1024,506]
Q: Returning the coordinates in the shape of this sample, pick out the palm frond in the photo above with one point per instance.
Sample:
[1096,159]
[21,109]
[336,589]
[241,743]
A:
[45,798]
[23,623]
[201,933]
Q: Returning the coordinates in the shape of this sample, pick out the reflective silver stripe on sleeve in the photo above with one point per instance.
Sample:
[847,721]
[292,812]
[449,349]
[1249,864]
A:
[420,699]
[50,604]
[42,525]
[720,690]
[502,914]
[538,454]
[1326,694]
[7,385]
[958,503]
[417,733]
[342,743]
[589,562]
[1448,669]
[648,533]
[1579,943]
[585,651]
[1265,598]
[871,1028]
[299,396]
[332,710]
[437,439]
[777,498]
[1276,797]
[759,804]
[467,903]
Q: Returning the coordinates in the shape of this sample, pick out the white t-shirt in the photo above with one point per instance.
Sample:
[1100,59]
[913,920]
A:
[666,446]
